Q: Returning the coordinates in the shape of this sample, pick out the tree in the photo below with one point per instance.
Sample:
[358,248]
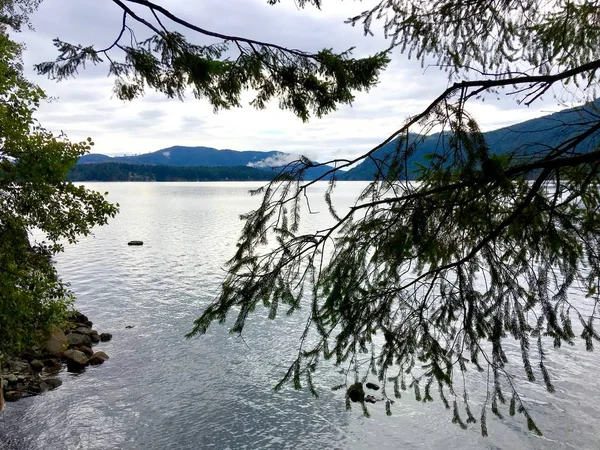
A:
[419,282]
[35,196]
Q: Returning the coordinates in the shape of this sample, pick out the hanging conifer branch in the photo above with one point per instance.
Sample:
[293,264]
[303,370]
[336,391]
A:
[305,83]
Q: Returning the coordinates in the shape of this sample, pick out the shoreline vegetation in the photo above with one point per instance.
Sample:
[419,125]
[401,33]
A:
[34,370]
[112,171]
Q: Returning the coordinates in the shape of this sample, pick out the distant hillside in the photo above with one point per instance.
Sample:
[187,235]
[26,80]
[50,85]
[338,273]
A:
[528,137]
[206,157]
[113,171]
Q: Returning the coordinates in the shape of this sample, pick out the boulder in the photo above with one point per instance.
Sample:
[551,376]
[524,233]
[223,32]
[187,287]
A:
[372,386]
[51,362]
[76,339]
[135,243]
[11,378]
[76,360]
[36,365]
[12,396]
[37,387]
[3,384]
[84,330]
[105,337]
[85,350]
[94,337]
[370,399]
[78,317]
[57,341]
[356,392]
[98,358]
[53,383]
[16,365]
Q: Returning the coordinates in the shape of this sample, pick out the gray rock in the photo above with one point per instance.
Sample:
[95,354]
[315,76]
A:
[370,399]
[78,317]
[105,337]
[16,365]
[98,358]
[53,383]
[11,378]
[94,337]
[37,386]
[76,360]
[76,339]
[86,350]
[51,362]
[12,396]
[4,384]
[36,365]
[84,330]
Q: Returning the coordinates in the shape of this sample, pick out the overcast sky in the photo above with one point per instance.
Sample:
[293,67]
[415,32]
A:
[85,106]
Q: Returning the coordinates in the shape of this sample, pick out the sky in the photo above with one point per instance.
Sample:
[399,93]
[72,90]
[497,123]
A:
[85,106]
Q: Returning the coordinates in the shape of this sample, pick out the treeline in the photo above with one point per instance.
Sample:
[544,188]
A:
[134,172]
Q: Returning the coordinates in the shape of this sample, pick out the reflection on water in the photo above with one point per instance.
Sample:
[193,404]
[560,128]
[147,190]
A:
[161,391]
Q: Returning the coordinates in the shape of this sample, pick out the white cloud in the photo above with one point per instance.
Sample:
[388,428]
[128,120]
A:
[278,160]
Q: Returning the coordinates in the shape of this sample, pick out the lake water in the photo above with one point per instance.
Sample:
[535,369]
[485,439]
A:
[161,391]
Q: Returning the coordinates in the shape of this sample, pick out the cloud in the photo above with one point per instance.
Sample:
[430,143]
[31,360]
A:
[281,159]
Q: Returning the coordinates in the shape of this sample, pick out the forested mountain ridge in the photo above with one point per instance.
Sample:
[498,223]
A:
[527,138]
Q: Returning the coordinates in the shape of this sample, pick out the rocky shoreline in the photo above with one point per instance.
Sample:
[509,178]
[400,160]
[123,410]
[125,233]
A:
[34,371]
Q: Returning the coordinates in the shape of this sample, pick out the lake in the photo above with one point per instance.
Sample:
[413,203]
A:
[159,390]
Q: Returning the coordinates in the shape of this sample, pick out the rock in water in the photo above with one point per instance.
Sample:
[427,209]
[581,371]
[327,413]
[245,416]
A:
[105,337]
[12,396]
[135,243]
[98,358]
[76,360]
[370,399]
[356,392]
[85,350]
[53,383]
[36,365]
[372,386]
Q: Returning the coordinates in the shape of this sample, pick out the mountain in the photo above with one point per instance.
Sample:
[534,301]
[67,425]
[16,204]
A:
[527,137]
[206,157]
